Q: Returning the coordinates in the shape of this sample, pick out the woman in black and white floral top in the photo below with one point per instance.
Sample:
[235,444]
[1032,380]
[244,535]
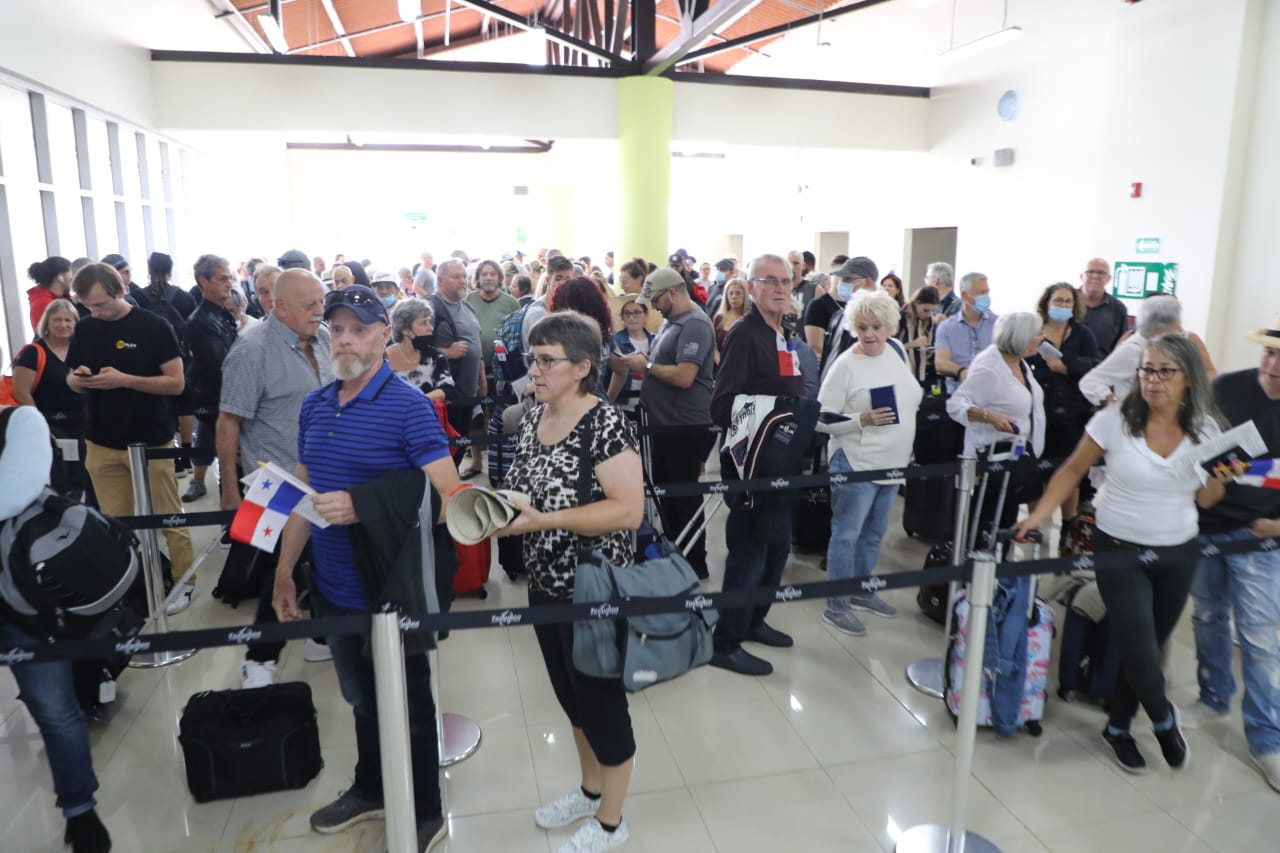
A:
[412,358]
[564,365]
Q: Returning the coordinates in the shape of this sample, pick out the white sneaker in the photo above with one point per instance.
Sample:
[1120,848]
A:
[592,837]
[573,806]
[182,600]
[316,652]
[257,674]
[1269,764]
[1199,714]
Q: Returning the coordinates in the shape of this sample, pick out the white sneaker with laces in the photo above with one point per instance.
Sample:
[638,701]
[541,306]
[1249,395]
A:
[573,806]
[1199,714]
[316,652]
[182,600]
[257,674]
[592,837]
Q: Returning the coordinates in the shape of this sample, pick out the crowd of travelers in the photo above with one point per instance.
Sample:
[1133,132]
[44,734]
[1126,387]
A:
[353,375]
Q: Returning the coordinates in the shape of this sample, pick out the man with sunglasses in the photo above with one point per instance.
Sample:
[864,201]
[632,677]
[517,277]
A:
[352,435]
[758,357]
[676,392]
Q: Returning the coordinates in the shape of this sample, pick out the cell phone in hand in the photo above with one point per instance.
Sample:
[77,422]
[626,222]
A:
[1048,350]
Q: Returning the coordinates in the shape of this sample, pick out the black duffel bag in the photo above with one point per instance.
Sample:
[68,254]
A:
[243,742]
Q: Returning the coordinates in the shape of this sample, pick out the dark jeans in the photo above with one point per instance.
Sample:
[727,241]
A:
[759,544]
[1143,606]
[50,695]
[204,448]
[355,679]
[678,459]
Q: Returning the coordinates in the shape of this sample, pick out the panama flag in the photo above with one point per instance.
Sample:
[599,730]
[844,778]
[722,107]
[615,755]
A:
[1263,473]
[788,363]
[272,495]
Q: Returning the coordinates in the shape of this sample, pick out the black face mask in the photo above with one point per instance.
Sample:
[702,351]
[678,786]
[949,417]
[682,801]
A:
[422,343]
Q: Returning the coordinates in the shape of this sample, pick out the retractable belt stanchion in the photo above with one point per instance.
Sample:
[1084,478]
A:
[935,838]
[458,735]
[393,733]
[926,674]
[151,564]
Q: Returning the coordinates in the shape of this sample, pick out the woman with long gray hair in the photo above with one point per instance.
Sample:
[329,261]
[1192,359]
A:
[1154,486]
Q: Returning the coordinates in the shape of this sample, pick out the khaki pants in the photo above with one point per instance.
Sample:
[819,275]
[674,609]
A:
[113,484]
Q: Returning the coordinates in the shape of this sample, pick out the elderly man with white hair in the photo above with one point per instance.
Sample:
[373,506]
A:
[1112,379]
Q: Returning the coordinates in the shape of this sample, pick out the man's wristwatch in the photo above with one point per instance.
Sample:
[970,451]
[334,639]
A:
[648,368]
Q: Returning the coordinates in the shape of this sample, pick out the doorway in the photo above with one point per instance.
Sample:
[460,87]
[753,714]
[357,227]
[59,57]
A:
[922,247]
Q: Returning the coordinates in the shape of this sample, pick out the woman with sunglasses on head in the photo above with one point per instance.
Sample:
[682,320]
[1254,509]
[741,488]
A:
[569,423]
[624,387]
[1154,486]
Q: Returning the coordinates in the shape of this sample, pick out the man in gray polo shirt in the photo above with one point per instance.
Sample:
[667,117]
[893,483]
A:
[265,378]
[676,393]
[457,335]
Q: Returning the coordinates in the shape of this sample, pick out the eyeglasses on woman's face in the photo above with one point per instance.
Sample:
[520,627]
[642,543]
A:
[1164,374]
[542,362]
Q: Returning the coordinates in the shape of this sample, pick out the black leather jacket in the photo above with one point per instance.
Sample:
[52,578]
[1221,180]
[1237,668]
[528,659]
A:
[211,332]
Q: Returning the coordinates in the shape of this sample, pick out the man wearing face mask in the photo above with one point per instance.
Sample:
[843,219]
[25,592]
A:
[388,290]
[966,333]
[854,274]
[715,292]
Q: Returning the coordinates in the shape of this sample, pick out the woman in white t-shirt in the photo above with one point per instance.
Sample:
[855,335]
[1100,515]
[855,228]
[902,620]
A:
[872,386]
[1154,485]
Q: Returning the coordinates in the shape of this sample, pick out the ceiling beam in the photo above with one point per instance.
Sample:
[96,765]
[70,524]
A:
[233,16]
[552,35]
[780,29]
[718,17]
[337,26]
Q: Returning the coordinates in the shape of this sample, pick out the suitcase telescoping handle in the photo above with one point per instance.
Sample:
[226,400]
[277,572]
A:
[1035,537]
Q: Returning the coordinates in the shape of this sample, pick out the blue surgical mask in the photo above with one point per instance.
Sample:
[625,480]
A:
[719,278]
[982,303]
[1059,315]
[844,291]
[388,301]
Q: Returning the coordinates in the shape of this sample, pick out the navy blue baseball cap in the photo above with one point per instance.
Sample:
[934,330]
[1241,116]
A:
[358,298]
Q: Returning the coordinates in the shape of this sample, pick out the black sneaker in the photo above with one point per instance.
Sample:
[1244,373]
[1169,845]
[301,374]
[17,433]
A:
[767,635]
[1173,745]
[1126,750]
[431,832]
[349,809]
[86,834]
[742,662]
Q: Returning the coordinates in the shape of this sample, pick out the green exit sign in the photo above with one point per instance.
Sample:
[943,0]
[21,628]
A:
[1147,246]
[415,216]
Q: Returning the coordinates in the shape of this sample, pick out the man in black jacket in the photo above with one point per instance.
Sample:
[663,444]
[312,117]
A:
[758,357]
[211,332]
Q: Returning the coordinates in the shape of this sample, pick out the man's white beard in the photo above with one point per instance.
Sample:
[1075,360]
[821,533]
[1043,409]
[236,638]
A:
[347,367]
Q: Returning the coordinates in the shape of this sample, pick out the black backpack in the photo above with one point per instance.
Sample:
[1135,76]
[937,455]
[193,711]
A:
[63,565]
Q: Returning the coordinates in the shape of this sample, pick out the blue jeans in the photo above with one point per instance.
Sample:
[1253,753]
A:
[355,680]
[1249,583]
[49,694]
[859,518]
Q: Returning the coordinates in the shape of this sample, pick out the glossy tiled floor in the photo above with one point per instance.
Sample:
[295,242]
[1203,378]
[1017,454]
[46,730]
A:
[833,752]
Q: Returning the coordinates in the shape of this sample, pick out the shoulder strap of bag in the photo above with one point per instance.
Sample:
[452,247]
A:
[5,414]
[584,474]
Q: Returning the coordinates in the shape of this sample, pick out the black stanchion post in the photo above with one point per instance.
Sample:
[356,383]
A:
[151,564]
[926,674]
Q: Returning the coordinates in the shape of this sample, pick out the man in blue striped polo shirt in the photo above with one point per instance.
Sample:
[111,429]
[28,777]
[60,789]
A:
[350,432]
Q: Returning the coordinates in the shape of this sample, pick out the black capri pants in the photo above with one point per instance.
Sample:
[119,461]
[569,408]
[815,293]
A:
[598,706]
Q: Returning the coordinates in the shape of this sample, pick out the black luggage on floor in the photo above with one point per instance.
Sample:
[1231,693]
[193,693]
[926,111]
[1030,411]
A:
[1088,662]
[511,556]
[929,508]
[237,743]
[95,678]
[811,520]
[932,598]
[243,574]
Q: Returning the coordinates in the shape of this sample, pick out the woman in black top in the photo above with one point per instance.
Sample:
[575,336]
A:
[1062,310]
[46,388]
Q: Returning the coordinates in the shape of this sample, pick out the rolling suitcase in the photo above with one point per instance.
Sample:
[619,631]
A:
[1088,662]
[243,574]
[238,743]
[932,598]
[1015,600]
[929,508]
[473,568]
